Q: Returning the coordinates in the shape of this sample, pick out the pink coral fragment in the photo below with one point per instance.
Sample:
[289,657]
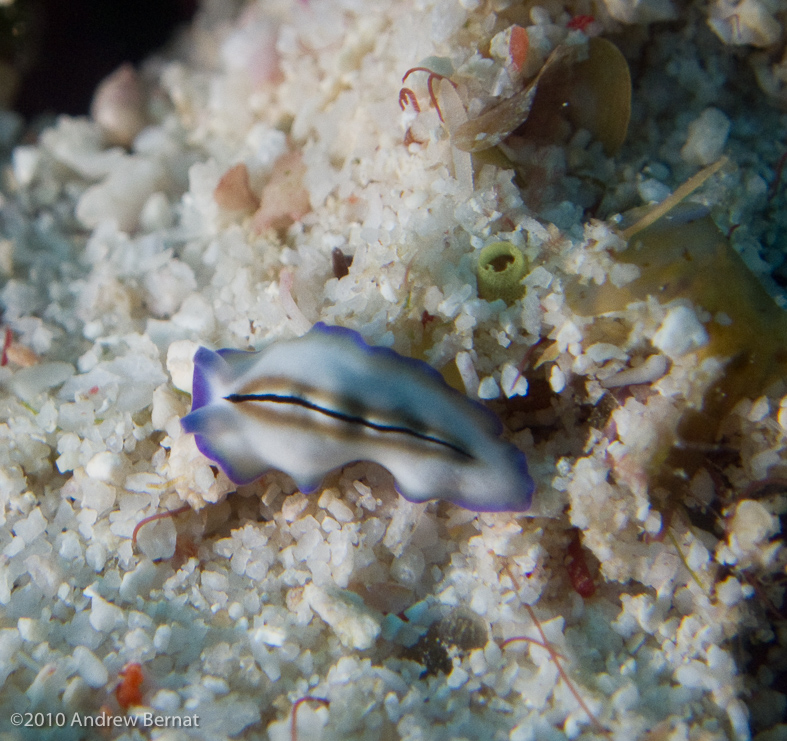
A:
[518,46]
[284,198]
[233,192]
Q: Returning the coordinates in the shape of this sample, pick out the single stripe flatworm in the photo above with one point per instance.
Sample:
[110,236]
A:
[313,404]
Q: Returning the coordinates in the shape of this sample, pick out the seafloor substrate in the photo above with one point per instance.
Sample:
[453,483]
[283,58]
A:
[260,176]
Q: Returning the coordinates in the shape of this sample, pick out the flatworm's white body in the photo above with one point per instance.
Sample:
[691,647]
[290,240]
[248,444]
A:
[313,404]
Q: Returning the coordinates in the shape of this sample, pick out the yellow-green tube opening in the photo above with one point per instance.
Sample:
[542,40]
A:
[500,268]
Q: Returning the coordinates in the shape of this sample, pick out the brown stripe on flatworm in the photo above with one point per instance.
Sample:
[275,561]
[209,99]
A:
[324,399]
[276,399]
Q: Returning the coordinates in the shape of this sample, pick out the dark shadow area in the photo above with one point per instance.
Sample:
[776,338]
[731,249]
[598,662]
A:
[61,50]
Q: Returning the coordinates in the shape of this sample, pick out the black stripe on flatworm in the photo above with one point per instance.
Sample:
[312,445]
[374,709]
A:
[276,399]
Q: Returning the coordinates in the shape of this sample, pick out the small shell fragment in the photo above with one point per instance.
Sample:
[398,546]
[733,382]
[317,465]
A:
[593,93]
[118,106]
[499,122]
[651,370]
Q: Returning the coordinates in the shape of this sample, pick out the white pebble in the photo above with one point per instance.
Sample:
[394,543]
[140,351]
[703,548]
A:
[488,389]
[759,410]
[340,510]
[139,644]
[76,693]
[557,379]
[268,660]
[14,548]
[122,194]
[30,527]
[457,678]
[96,556]
[680,332]
[31,630]
[235,610]
[180,363]
[215,581]
[697,556]
[105,466]
[79,632]
[512,381]
[156,214]
[196,315]
[89,667]
[739,719]
[464,362]
[165,701]
[158,539]
[25,161]
[652,191]
[750,526]
[216,685]
[540,16]
[267,144]
[353,624]
[97,495]
[729,591]
[409,567]
[168,287]
[271,635]
[600,352]
[707,137]
[138,582]
[45,686]
[568,334]
[477,662]
[746,23]
[104,616]
[10,643]
[161,638]
[651,370]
